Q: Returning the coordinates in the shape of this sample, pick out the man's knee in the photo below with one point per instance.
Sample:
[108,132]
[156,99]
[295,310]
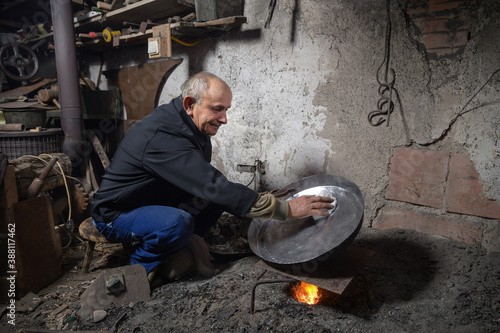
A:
[184,228]
[185,224]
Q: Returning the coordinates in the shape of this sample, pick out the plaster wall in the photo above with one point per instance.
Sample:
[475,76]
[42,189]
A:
[304,86]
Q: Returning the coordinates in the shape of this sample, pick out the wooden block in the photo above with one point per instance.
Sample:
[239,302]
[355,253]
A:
[8,197]
[160,45]
[8,194]
[103,5]
[38,250]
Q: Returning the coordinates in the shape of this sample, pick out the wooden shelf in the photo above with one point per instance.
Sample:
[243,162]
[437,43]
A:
[179,29]
[136,13]
[157,11]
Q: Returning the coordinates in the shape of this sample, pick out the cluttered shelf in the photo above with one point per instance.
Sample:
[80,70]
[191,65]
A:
[144,10]
[129,24]
[178,29]
[136,23]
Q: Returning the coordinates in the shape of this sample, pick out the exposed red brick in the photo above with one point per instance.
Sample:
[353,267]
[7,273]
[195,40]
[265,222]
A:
[434,25]
[448,5]
[416,11]
[464,193]
[418,176]
[460,38]
[457,49]
[438,40]
[433,7]
[434,19]
[443,51]
[463,231]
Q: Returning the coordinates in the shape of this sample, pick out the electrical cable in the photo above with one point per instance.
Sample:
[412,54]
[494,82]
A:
[70,234]
[253,178]
[184,43]
[462,110]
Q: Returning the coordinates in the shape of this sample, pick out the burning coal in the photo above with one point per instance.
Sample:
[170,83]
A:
[306,293]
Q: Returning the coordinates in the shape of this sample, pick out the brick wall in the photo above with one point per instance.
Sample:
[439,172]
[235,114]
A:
[442,193]
[442,25]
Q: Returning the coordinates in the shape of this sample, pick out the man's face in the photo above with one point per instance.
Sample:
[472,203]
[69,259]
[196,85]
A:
[211,114]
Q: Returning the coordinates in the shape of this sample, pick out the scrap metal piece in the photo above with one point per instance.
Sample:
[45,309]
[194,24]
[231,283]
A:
[138,85]
[115,284]
[246,168]
[37,184]
[18,61]
[118,322]
[98,148]
[80,198]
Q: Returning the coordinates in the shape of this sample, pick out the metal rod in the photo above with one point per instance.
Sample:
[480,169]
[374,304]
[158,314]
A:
[259,282]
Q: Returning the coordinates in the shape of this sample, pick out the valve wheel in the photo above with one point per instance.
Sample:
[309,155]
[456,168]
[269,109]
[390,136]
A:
[18,61]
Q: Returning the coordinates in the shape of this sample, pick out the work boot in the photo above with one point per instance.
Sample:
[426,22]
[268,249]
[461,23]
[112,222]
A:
[193,259]
[203,264]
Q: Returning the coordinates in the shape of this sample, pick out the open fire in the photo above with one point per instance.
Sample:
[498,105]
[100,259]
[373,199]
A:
[306,293]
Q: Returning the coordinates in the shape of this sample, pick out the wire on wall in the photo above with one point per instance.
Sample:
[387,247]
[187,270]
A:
[463,110]
[385,104]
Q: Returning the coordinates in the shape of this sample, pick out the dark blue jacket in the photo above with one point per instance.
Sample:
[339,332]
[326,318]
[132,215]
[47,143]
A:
[165,160]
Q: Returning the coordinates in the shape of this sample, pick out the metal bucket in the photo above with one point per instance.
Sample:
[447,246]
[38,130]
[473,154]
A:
[296,241]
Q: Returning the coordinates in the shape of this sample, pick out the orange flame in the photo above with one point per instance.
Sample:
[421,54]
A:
[307,293]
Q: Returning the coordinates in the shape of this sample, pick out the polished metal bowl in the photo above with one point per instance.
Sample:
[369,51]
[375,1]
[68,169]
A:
[300,240]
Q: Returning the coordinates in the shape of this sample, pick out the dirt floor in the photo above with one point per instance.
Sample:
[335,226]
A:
[413,282]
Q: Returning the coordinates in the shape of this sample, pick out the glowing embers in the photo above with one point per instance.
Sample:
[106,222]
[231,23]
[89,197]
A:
[306,293]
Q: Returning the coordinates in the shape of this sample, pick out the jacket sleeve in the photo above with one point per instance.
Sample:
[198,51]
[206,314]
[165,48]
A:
[268,207]
[176,159]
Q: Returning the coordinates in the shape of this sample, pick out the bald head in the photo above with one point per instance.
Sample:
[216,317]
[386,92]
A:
[199,84]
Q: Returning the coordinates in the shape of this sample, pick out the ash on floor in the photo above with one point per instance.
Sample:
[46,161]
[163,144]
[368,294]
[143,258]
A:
[413,283]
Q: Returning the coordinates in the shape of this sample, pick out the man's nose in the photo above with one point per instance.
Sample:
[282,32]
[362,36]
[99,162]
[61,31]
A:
[222,118]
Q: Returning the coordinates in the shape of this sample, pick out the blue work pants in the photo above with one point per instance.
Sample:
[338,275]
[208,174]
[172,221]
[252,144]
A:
[159,231]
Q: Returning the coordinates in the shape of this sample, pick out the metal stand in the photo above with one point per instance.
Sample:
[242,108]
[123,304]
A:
[259,282]
[335,276]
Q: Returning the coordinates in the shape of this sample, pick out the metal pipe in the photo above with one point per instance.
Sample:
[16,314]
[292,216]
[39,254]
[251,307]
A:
[68,79]
[37,184]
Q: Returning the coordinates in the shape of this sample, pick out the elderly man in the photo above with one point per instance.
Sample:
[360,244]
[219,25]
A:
[160,189]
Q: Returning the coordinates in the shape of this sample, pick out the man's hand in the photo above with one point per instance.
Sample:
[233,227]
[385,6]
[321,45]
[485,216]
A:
[308,205]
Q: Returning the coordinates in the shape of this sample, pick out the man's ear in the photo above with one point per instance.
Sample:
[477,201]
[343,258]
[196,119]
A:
[188,102]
